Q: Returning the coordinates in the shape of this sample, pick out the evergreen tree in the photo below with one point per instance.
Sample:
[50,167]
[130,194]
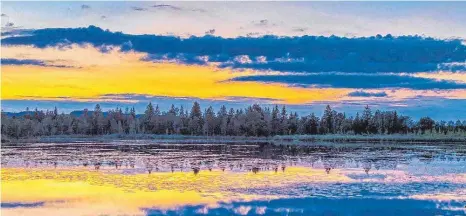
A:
[327,120]
[276,121]
[252,121]
[222,116]
[196,122]
[313,124]
[426,123]
[148,119]
[210,121]
[366,119]
[97,120]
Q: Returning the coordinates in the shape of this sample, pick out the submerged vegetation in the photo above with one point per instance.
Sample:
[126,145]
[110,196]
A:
[254,121]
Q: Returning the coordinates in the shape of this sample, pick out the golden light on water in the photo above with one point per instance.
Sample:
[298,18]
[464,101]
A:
[82,191]
[97,192]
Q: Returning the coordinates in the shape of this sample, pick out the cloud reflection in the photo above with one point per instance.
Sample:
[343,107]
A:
[80,191]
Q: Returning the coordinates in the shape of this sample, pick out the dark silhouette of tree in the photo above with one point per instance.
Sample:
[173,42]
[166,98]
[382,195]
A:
[196,120]
[148,126]
[97,120]
[255,120]
[426,123]
[327,120]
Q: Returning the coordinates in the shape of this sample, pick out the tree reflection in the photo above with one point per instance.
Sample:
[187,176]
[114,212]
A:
[196,170]
[253,158]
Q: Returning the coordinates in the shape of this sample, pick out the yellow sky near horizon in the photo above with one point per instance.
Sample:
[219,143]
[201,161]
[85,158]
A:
[90,74]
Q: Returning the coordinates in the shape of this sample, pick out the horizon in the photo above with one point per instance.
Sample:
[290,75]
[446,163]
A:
[302,113]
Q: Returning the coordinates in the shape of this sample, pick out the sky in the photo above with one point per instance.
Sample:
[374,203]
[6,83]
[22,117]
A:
[405,56]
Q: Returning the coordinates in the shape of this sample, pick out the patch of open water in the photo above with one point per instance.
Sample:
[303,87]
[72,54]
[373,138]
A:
[234,179]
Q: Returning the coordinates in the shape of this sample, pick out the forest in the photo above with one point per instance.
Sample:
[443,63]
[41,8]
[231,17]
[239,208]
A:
[254,120]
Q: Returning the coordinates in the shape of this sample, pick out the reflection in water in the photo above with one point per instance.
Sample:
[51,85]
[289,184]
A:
[116,179]
[321,206]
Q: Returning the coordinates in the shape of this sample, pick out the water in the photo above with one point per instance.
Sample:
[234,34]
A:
[147,178]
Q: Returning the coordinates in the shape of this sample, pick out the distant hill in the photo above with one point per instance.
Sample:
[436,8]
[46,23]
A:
[78,113]
[18,114]
[75,113]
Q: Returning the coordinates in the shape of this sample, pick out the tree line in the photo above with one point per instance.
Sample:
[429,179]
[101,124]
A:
[254,120]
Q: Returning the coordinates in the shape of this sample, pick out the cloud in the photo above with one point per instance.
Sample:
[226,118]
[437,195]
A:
[253,34]
[453,66]
[242,210]
[366,81]
[200,10]
[403,54]
[166,6]
[139,9]
[73,56]
[10,61]
[367,94]
[263,22]
[210,32]
[164,99]
[4,15]
[459,77]
[13,32]
[85,7]
[299,29]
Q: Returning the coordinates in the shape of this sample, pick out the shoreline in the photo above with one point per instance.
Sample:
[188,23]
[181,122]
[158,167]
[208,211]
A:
[288,139]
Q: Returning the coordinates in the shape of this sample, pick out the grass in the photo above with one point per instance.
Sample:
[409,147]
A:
[301,139]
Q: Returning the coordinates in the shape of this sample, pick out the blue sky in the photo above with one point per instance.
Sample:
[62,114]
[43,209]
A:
[230,19]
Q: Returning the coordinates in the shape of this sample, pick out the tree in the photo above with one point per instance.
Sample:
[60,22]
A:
[293,122]
[210,121]
[184,122]
[276,121]
[255,124]
[148,118]
[255,120]
[55,112]
[366,119]
[196,111]
[231,127]
[172,123]
[97,120]
[358,125]
[327,120]
[313,124]
[222,116]
[196,121]
[283,121]
[426,123]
